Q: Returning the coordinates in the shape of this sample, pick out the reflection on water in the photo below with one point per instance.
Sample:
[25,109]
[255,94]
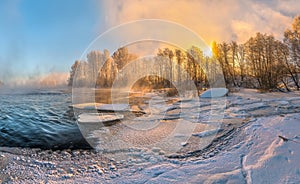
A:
[39,119]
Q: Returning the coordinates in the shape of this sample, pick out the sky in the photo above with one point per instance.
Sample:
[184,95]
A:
[43,37]
[40,38]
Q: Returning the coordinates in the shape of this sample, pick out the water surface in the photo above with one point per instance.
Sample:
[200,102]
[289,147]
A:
[40,119]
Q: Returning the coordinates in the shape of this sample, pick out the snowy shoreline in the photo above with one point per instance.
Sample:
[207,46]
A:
[247,150]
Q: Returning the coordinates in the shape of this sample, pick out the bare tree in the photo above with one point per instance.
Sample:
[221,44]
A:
[72,72]
[292,41]
[264,61]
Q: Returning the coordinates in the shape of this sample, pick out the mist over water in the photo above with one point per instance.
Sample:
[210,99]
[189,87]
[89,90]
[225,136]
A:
[37,81]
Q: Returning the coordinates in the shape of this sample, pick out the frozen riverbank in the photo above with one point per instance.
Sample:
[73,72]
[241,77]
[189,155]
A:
[251,153]
[254,155]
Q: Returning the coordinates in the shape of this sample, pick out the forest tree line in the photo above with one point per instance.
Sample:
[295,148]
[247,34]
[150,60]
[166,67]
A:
[262,62]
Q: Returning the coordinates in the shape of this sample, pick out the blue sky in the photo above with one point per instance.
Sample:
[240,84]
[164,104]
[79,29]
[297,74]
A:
[39,37]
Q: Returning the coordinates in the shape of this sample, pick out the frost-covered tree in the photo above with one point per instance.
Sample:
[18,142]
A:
[72,72]
[292,41]
[265,63]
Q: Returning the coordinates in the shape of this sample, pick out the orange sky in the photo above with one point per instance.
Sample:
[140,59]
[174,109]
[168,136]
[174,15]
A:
[210,19]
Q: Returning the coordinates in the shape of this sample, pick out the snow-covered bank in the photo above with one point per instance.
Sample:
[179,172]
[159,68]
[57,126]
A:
[257,155]
[251,153]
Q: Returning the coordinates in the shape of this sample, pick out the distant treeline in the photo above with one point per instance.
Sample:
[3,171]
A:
[261,62]
[168,67]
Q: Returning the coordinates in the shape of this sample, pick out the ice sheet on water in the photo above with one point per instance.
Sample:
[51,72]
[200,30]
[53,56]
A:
[86,106]
[113,107]
[98,117]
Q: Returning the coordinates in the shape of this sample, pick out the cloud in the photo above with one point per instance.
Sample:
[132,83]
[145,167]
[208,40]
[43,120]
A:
[210,19]
[287,7]
[260,17]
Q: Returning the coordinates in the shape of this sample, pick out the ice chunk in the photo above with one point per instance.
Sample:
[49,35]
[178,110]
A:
[214,93]
[98,118]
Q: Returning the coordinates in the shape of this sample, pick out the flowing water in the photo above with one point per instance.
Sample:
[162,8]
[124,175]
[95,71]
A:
[39,119]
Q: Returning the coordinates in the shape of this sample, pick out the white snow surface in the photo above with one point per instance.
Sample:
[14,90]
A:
[254,155]
[260,157]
